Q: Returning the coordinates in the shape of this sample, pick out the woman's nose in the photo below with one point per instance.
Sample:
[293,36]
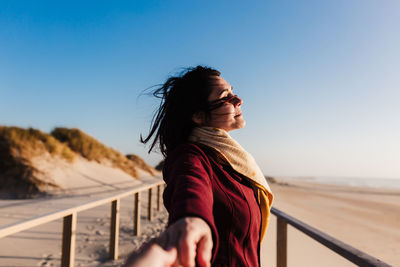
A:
[238,101]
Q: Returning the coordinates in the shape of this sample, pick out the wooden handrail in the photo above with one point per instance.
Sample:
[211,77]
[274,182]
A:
[69,216]
[19,226]
[350,253]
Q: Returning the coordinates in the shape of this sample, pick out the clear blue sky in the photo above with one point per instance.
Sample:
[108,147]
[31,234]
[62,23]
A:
[319,79]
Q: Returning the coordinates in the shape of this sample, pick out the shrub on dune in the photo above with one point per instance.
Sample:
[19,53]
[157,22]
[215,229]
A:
[18,177]
[32,142]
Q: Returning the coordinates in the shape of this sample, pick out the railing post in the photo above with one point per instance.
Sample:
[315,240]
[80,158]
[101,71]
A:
[150,206]
[114,229]
[136,215]
[68,241]
[158,197]
[281,243]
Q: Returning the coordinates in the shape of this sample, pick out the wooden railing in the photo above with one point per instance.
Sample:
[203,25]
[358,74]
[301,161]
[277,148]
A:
[350,253]
[69,216]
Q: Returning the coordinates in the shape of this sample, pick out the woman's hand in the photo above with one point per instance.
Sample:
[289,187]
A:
[193,240]
[152,255]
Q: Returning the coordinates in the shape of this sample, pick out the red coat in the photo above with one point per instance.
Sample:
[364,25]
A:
[198,184]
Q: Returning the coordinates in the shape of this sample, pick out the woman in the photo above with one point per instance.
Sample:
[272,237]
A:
[217,197]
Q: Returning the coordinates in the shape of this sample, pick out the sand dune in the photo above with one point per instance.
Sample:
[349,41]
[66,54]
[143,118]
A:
[34,163]
[81,176]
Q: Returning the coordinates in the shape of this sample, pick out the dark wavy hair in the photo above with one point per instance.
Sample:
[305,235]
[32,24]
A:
[181,97]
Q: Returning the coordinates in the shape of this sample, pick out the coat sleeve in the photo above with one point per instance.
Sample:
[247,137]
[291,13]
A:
[187,173]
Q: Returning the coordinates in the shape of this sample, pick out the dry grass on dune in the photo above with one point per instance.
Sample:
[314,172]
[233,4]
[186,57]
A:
[83,144]
[92,149]
[18,178]
[31,142]
[140,163]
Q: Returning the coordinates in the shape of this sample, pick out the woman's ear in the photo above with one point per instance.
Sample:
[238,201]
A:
[199,118]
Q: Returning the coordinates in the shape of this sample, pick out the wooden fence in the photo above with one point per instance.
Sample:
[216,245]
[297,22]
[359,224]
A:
[348,252]
[69,216]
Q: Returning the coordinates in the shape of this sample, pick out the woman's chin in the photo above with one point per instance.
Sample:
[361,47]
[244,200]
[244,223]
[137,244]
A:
[240,125]
[242,122]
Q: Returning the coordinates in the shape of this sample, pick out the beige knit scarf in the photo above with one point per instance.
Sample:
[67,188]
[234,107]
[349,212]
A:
[241,161]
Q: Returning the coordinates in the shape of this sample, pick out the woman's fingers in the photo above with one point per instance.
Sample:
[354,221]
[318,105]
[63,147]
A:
[194,241]
[204,249]
[170,256]
[152,255]
[187,250]
[192,238]
[162,240]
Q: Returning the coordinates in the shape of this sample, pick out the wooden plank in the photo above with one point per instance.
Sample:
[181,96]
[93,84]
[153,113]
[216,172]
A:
[114,229]
[150,205]
[136,215]
[68,241]
[159,197]
[281,243]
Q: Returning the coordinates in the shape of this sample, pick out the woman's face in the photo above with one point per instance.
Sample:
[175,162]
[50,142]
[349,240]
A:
[227,115]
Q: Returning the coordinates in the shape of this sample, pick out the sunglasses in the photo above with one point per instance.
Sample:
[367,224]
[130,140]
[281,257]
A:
[234,100]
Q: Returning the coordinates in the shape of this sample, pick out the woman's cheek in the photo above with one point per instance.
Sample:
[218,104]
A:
[229,110]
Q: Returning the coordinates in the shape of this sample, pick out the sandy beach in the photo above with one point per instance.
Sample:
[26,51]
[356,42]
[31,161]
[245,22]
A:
[364,218]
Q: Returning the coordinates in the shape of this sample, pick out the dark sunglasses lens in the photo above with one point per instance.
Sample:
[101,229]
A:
[234,100]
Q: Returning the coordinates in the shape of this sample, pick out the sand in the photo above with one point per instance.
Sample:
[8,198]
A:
[82,176]
[366,219]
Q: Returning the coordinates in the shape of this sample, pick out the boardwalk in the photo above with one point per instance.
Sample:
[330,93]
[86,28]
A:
[320,208]
[42,244]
